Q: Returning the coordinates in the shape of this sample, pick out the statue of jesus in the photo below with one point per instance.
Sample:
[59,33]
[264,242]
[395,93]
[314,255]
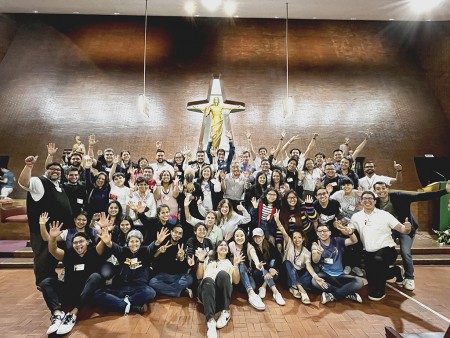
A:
[215,113]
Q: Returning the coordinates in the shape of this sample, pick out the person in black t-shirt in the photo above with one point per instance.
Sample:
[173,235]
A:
[81,278]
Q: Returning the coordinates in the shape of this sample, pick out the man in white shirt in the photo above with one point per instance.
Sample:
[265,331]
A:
[161,164]
[367,182]
[375,228]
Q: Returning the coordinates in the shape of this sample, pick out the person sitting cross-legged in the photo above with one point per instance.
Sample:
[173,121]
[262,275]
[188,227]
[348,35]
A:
[129,291]
[170,265]
[81,278]
[327,252]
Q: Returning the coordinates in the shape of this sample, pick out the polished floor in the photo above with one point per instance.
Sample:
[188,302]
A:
[23,314]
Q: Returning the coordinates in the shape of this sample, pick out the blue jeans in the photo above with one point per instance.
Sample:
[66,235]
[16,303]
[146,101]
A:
[295,277]
[406,242]
[171,285]
[247,280]
[56,292]
[112,299]
[258,275]
[339,286]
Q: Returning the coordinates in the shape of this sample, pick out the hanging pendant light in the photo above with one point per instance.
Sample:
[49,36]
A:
[143,100]
[288,104]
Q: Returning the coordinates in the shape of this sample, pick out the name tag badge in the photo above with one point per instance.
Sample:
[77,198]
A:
[351,207]
[334,184]
[79,200]
[78,267]
[289,179]
[328,260]
[58,189]
[108,170]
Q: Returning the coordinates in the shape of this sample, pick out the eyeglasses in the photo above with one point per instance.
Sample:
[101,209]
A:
[368,199]
[324,230]
[54,169]
[271,194]
[78,242]
[292,197]
[322,194]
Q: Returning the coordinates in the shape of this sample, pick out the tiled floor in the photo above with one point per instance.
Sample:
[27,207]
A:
[23,314]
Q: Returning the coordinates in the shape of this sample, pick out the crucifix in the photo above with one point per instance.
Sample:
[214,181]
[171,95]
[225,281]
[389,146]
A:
[216,115]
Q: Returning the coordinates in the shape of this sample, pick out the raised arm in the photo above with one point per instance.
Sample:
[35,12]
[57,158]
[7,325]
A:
[55,231]
[250,145]
[281,227]
[116,160]
[51,151]
[398,173]
[280,142]
[361,145]
[311,145]
[25,175]
[91,142]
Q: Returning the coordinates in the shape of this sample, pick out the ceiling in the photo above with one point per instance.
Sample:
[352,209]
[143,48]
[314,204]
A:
[298,9]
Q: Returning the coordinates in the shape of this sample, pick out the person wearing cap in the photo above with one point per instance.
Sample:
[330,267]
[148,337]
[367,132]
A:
[268,254]
[130,291]
[81,278]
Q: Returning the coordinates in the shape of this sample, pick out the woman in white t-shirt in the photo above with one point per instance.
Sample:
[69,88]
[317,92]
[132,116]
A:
[217,272]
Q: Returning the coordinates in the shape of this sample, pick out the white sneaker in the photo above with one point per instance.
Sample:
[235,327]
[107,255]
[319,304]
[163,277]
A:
[409,284]
[262,292]
[223,319]
[305,298]
[211,325]
[67,325]
[347,270]
[358,271]
[295,292]
[256,302]
[279,298]
[400,277]
[56,321]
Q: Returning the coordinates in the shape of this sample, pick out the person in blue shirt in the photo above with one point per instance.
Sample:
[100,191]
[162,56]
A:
[327,253]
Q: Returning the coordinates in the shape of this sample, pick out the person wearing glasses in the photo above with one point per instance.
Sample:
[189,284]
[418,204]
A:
[375,228]
[328,253]
[367,182]
[328,210]
[45,194]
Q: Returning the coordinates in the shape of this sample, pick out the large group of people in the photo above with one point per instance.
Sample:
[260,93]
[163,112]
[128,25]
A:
[205,225]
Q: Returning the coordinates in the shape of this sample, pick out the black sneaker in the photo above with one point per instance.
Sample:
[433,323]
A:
[139,309]
[355,297]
